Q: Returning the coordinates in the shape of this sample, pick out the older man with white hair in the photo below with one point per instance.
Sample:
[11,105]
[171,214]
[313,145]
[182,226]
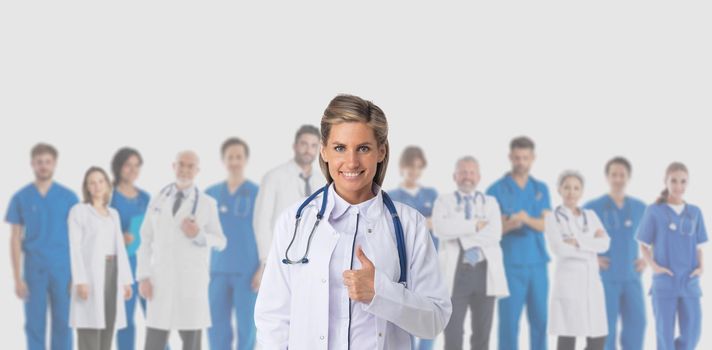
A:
[180,228]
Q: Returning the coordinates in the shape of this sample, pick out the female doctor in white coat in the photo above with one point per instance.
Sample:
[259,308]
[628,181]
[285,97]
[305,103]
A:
[576,236]
[337,283]
[101,274]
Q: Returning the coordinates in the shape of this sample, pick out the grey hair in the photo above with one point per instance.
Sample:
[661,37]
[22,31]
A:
[568,174]
[466,159]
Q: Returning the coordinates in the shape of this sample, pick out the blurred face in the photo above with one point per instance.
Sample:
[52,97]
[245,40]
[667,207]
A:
[306,148]
[467,176]
[131,169]
[412,172]
[617,177]
[676,183]
[186,167]
[571,191]
[522,160]
[97,186]
[43,166]
[235,160]
[352,154]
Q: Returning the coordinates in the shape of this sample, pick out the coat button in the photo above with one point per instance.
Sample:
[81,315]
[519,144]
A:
[370,230]
[380,334]
[322,337]
[323,280]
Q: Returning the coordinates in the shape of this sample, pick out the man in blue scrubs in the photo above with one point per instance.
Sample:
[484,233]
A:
[621,265]
[523,202]
[37,215]
[231,288]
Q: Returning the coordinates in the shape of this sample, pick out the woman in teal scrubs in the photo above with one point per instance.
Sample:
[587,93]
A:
[410,192]
[671,233]
[131,202]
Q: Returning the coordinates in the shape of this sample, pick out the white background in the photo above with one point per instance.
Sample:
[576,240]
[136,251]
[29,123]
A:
[586,81]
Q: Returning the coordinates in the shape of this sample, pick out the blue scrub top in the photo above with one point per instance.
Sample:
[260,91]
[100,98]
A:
[422,202]
[46,237]
[674,249]
[523,246]
[130,209]
[621,225]
[236,211]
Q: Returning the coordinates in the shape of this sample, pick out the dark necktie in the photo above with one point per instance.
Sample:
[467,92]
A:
[307,186]
[178,202]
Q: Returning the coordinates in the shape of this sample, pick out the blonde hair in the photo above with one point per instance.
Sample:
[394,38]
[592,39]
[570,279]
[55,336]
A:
[353,109]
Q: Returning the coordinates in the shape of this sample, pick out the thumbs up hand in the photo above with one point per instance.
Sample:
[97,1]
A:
[360,283]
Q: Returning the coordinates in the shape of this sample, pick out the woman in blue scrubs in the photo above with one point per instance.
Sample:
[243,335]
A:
[621,265]
[231,289]
[671,233]
[410,192]
[131,202]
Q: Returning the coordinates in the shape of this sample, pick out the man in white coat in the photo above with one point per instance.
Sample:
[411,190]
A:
[469,227]
[180,228]
[282,187]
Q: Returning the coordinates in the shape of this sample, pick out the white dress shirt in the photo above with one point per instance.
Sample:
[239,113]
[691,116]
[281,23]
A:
[346,218]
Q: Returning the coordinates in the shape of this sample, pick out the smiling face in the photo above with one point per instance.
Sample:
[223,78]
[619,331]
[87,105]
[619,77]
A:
[676,184]
[186,167]
[98,187]
[43,166]
[571,190]
[306,148]
[467,175]
[352,154]
[131,169]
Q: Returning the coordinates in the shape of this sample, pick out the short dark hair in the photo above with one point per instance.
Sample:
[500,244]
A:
[410,154]
[43,148]
[307,129]
[234,141]
[521,142]
[621,161]
[120,158]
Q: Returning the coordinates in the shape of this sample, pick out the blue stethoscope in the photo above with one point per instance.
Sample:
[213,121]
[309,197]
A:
[559,214]
[628,223]
[167,191]
[225,192]
[683,215]
[400,239]
[479,214]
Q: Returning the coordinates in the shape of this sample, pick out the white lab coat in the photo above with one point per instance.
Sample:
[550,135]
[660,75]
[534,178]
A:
[292,304]
[280,188]
[177,266]
[578,304]
[88,263]
[454,231]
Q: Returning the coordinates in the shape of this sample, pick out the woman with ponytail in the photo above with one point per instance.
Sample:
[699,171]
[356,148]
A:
[670,233]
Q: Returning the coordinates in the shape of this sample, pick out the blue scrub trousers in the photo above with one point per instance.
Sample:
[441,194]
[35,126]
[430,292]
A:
[625,298]
[232,292]
[48,284]
[528,285]
[688,312]
[126,338]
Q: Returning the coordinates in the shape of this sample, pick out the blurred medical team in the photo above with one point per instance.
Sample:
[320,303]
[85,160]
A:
[319,256]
